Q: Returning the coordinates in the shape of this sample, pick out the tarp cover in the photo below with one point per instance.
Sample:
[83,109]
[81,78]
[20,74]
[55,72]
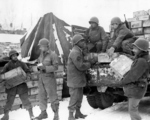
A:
[45,29]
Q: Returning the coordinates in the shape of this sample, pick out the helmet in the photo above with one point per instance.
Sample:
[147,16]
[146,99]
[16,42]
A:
[94,19]
[12,52]
[76,38]
[44,42]
[116,20]
[142,44]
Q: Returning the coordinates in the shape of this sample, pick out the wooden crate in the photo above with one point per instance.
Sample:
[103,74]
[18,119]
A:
[3,96]
[146,23]
[2,87]
[138,31]
[131,19]
[59,81]
[147,30]
[144,17]
[136,24]
[33,91]
[14,77]
[140,13]
[121,65]
[147,36]
[59,87]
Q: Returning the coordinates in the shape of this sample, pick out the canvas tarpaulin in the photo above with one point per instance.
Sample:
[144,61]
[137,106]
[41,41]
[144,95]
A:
[45,29]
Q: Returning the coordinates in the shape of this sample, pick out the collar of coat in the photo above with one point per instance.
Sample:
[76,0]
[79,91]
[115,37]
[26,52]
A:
[144,55]
[121,26]
[78,48]
[96,28]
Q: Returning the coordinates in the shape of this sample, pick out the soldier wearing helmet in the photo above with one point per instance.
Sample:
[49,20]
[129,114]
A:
[122,39]
[135,82]
[21,89]
[96,36]
[76,76]
[48,64]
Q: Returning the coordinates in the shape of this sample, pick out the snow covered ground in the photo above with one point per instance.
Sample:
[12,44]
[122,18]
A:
[116,112]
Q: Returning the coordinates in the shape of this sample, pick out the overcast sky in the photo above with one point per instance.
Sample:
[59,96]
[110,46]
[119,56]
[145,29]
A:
[78,12]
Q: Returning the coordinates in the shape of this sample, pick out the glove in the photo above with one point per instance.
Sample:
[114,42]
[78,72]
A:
[111,51]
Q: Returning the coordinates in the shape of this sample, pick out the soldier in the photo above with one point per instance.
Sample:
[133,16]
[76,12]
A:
[122,39]
[76,77]
[96,36]
[47,82]
[135,81]
[21,89]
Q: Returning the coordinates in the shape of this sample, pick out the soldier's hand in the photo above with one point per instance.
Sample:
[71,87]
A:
[111,51]
[41,67]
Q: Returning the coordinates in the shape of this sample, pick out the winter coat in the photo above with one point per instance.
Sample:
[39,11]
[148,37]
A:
[22,88]
[97,35]
[76,68]
[135,81]
[120,34]
[49,60]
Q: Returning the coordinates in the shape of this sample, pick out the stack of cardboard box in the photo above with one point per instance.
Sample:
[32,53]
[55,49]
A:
[140,23]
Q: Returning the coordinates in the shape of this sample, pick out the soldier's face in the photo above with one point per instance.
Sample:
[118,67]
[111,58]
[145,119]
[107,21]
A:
[14,57]
[82,44]
[114,26]
[43,48]
[136,50]
[93,25]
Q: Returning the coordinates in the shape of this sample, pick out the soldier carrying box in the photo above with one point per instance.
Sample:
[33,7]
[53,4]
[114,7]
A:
[20,89]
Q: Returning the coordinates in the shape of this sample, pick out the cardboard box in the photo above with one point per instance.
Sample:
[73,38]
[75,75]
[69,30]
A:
[145,17]
[147,30]
[136,24]
[14,77]
[146,23]
[121,65]
[140,13]
[131,19]
[147,36]
[104,58]
[138,31]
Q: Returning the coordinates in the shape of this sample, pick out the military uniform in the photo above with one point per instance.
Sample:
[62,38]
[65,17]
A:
[97,38]
[47,82]
[21,89]
[76,77]
[122,40]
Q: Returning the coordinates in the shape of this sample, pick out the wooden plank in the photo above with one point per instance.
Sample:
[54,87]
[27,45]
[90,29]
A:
[59,87]
[59,81]
[138,31]
[2,87]
[147,30]
[136,24]
[32,84]
[146,23]
[3,96]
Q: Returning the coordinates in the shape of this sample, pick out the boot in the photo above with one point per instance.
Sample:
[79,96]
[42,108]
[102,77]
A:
[55,108]
[43,115]
[5,117]
[31,114]
[79,114]
[71,116]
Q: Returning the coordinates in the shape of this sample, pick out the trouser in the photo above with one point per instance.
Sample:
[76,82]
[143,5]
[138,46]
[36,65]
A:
[10,100]
[133,108]
[127,45]
[47,87]
[76,97]
[95,47]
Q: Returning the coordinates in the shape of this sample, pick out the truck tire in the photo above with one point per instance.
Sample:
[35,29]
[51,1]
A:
[92,101]
[104,100]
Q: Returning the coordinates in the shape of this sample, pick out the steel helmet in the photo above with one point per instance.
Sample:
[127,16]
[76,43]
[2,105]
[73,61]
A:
[76,38]
[116,20]
[12,52]
[94,19]
[44,42]
[142,44]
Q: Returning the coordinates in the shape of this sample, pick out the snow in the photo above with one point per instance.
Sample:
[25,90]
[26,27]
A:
[116,112]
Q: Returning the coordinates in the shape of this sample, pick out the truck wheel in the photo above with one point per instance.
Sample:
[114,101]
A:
[104,100]
[92,101]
